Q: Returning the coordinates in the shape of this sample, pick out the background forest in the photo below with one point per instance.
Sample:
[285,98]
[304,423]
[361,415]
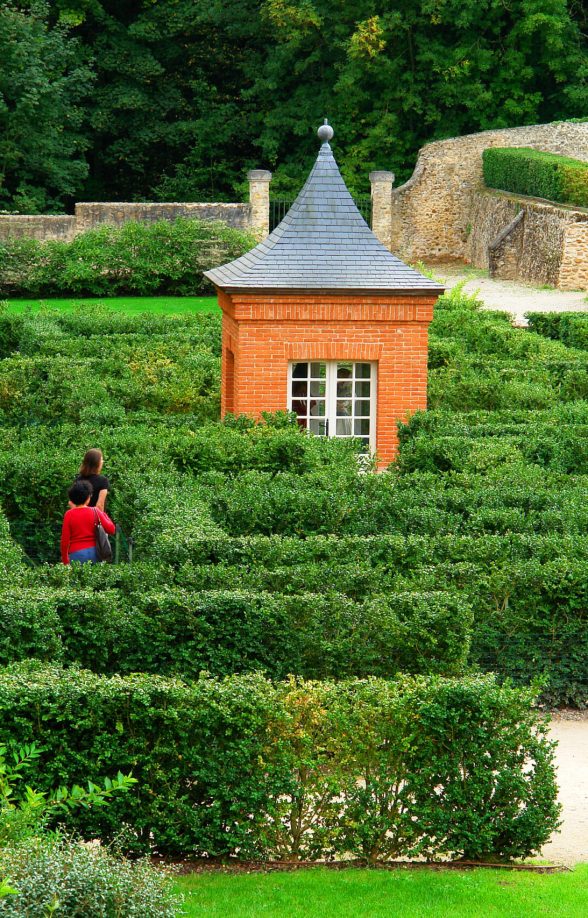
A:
[175,99]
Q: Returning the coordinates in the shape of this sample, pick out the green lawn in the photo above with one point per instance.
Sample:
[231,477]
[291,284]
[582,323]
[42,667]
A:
[133,305]
[322,893]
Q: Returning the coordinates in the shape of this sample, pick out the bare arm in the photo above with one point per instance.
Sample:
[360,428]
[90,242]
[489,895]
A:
[101,502]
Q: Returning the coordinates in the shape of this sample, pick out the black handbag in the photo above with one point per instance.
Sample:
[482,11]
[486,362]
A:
[103,546]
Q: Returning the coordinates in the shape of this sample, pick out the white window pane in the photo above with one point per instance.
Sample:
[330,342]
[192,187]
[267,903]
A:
[344,408]
[300,406]
[362,428]
[362,408]
[318,388]
[300,370]
[299,388]
[363,370]
[317,408]
[317,426]
[318,370]
[344,389]
[362,389]
[344,427]
[345,370]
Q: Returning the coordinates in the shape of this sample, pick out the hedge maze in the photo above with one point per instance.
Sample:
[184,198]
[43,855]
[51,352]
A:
[290,623]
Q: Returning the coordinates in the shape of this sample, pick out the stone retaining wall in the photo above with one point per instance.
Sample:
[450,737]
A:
[549,245]
[573,270]
[434,213]
[90,215]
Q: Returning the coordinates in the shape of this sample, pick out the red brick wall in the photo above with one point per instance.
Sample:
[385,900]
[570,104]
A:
[265,332]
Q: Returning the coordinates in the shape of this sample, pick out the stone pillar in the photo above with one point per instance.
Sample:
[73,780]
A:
[382,183]
[259,183]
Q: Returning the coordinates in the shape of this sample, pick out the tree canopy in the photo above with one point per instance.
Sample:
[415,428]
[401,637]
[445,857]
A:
[189,94]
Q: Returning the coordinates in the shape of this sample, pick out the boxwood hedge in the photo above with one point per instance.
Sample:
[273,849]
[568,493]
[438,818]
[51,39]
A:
[536,173]
[295,769]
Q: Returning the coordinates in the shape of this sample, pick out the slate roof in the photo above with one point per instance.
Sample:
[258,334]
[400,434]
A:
[323,243]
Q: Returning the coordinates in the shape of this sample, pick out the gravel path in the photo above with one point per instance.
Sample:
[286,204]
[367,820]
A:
[512,296]
[570,845]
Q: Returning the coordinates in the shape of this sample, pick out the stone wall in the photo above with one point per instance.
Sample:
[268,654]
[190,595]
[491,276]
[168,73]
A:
[17,226]
[573,270]
[432,214]
[549,239]
[252,217]
[90,215]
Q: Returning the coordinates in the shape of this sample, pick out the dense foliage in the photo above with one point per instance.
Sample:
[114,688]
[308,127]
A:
[257,547]
[245,766]
[188,94]
[141,259]
[51,875]
[538,174]
[45,82]
[569,327]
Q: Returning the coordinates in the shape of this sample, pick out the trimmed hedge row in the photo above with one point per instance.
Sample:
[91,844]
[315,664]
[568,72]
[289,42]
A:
[228,631]
[148,455]
[372,769]
[520,498]
[528,594]
[571,328]
[140,259]
[523,170]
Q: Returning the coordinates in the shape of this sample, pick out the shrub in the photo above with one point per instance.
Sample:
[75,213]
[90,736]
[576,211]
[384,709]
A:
[225,631]
[137,258]
[57,874]
[541,175]
[571,328]
[220,763]
[11,557]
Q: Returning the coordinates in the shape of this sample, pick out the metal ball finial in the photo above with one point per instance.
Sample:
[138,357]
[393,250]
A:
[325,132]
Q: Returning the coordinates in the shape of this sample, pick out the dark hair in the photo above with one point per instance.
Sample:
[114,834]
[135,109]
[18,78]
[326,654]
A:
[79,492]
[91,462]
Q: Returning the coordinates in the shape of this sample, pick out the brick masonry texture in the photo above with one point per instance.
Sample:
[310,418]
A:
[444,212]
[263,333]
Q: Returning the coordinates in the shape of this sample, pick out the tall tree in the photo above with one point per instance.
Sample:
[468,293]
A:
[191,93]
[44,79]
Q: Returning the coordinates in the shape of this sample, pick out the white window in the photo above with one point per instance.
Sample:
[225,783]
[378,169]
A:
[335,398]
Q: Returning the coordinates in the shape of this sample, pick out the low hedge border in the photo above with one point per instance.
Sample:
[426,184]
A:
[184,632]
[571,328]
[523,170]
[240,766]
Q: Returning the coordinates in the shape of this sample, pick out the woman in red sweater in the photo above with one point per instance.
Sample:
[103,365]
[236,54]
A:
[78,535]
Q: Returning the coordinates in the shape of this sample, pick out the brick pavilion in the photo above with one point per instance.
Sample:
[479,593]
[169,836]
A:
[321,319]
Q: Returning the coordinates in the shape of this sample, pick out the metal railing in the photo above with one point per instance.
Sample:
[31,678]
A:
[279,207]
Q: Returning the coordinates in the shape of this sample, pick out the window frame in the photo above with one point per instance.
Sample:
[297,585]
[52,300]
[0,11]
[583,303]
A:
[331,395]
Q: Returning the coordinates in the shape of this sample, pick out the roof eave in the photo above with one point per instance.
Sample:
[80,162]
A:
[333,291]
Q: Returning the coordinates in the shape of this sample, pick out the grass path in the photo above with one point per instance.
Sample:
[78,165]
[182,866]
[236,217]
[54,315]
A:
[322,893]
[132,305]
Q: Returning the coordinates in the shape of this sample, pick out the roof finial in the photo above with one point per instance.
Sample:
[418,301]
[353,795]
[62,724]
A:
[325,132]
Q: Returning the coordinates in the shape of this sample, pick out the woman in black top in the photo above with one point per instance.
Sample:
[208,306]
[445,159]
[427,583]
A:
[90,471]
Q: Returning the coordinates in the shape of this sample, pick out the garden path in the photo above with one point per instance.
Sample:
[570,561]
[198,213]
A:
[570,845]
[511,296]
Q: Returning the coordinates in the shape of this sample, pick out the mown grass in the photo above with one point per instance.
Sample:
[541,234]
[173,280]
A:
[133,305]
[320,893]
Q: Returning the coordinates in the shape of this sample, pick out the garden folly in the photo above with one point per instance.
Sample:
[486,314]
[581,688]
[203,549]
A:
[321,319]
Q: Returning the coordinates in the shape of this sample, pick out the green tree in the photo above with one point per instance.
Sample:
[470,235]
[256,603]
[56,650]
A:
[44,78]
[191,93]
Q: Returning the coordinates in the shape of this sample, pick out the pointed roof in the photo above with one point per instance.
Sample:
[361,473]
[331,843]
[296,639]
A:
[323,243]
